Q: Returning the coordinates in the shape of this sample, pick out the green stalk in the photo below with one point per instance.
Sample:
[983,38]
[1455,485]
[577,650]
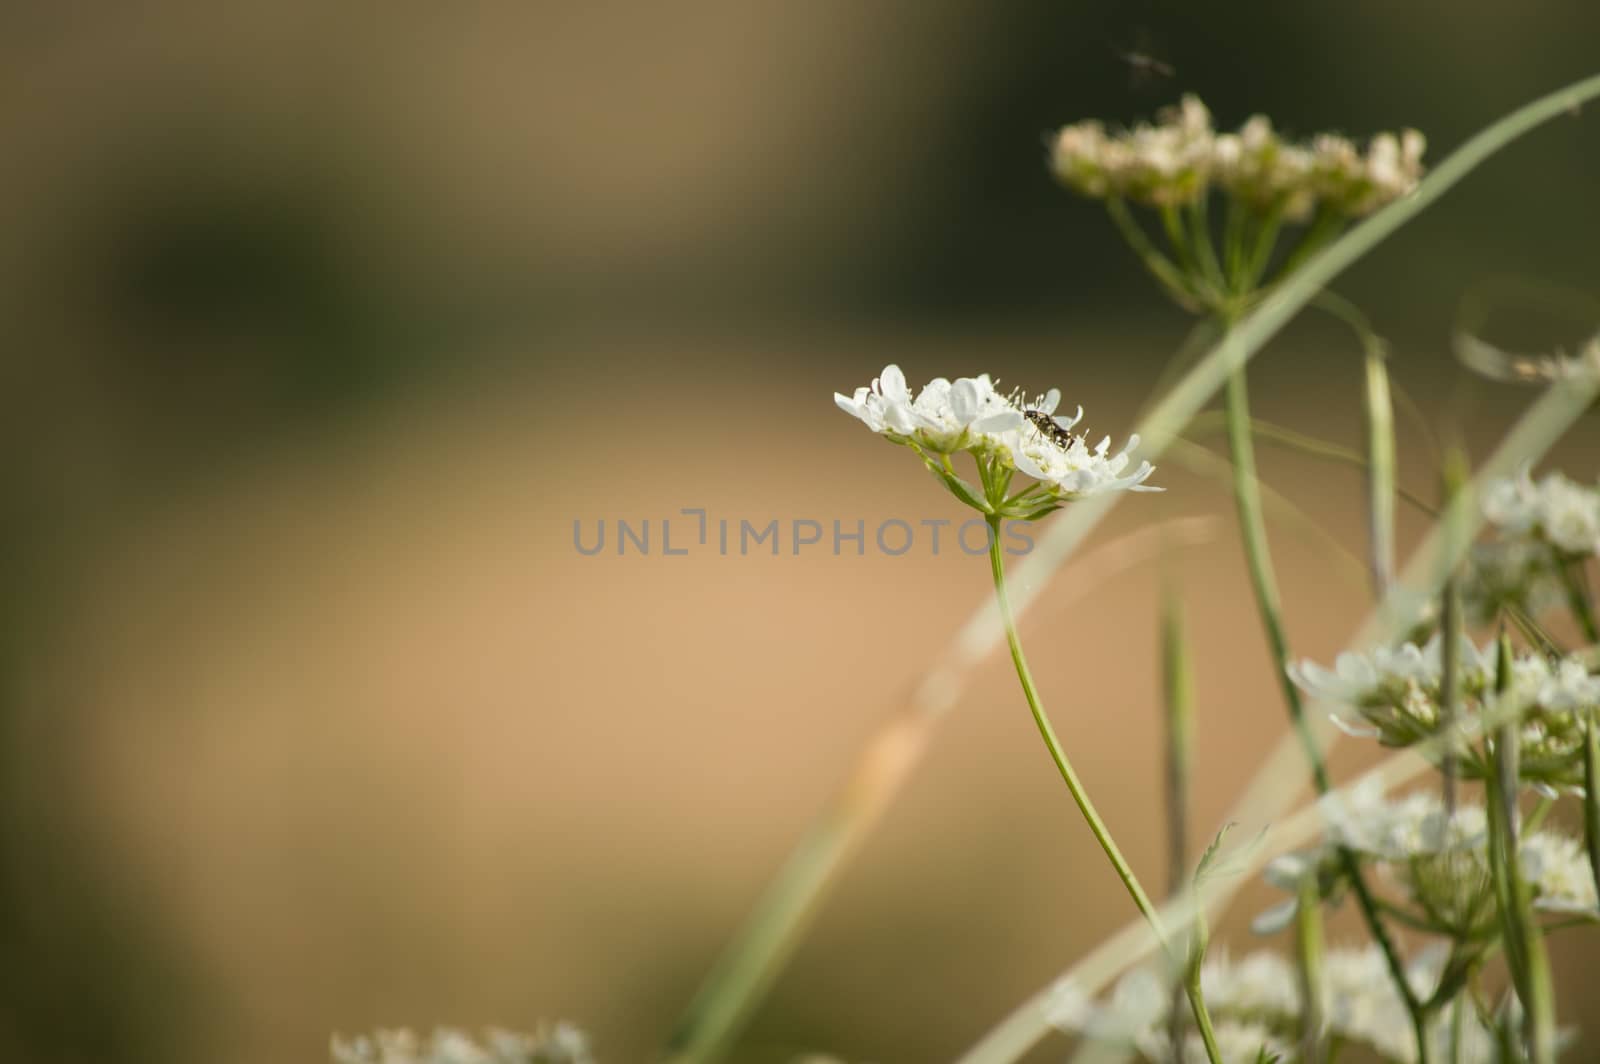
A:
[1058,754]
[1379,410]
[1178,687]
[1312,447]
[1457,473]
[1192,987]
[1450,688]
[1253,531]
[1167,275]
[1591,795]
[1080,795]
[1205,251]
[1578,597]
[1308,940]
[1524,942]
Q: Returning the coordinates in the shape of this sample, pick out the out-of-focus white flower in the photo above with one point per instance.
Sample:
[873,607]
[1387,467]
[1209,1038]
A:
[1173,161]
[1012,431]
[560,1044]
[1255,1004]
[1394,694]
[1557,510]
[1237,1040]
[1440,861]
[1518,571]
[1559,870]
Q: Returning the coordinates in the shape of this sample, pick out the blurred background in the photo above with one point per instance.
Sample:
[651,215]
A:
[324,323]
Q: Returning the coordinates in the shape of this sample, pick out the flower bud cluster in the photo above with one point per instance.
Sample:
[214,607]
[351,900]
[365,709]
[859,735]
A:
[1395,696]
[1175,160]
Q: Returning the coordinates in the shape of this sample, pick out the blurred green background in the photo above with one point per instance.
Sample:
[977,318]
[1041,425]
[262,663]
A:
[324,322]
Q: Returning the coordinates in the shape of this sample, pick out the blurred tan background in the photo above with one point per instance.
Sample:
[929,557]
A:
[326,322]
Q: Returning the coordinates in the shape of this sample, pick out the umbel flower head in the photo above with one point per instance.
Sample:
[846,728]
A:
[1006,434]
[1394,695]
[1438,860]
[1178,158]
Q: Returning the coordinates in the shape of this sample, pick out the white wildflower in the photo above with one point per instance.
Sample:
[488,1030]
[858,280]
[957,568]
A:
[1557,510]
[1237,1040]
[1440,861]
[1394,695]
[1515,572]
[1173,161]
[1005,433]
[1559,870]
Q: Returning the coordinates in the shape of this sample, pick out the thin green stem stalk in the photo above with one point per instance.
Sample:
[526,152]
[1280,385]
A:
[1080,794]
[1578,598]
[1253,531]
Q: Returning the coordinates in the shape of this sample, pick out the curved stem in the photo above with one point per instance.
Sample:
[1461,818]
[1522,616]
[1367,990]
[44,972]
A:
[1091,816]
[1080,795]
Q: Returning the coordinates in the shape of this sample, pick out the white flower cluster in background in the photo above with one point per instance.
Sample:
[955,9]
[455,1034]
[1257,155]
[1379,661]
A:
[1393,694]
[1510,573]
[1255,1004]
[968,414]
[561,1044]
[1554,510]
[1440,862]
[1175,160]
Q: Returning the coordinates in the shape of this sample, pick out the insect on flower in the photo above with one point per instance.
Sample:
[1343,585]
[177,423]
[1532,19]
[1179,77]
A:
[1048,427]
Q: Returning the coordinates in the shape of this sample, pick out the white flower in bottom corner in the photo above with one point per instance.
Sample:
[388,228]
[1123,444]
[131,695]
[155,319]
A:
[561,1044]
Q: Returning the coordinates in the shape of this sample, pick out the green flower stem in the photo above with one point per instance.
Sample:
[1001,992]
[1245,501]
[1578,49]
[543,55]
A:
[1591,795]
[1271,432]
[1169,276]
[1578,598]
[1323,229]
[1197,999]
[1177,683]
[1057,754]
[1091,816]
[1261,255]
[1247,498]
[1524,942]
[1309,943]
[1200,240]
[1379,409]
[1253,529]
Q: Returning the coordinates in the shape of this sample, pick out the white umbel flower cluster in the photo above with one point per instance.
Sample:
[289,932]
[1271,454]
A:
[947,417]
[1175,160]
[1554,510]
[1255,1004]
[1394,695]
[1440,861]
[560,1044]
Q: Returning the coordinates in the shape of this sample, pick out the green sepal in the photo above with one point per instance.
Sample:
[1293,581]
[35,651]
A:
[958,487]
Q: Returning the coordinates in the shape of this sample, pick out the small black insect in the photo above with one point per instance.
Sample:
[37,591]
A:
[1048,428]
